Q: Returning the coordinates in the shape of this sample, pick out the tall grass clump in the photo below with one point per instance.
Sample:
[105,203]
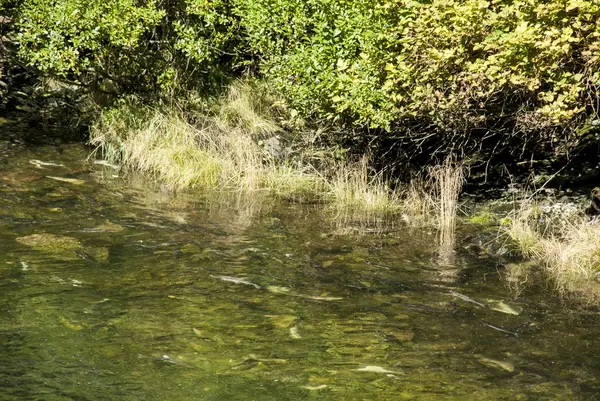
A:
[196,148]
[447,183]
[567,248]
[179,155]
[356,195]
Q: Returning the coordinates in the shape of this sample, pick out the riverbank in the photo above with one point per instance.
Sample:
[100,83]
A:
[247,148]
[245,144]
[249,142]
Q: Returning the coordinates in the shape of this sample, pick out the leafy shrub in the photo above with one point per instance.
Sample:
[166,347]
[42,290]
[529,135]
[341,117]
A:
[523,66]
[127,46]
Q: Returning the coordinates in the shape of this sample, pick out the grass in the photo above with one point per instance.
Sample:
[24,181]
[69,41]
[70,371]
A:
[448,179]
[567,248]
[355,195]
[220,146]
[218,151]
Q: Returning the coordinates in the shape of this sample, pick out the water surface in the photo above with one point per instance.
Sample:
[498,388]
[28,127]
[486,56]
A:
[160,297]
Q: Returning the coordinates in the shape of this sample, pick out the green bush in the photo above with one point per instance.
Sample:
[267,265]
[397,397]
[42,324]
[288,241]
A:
[445,71]
[461,65]
[126,46]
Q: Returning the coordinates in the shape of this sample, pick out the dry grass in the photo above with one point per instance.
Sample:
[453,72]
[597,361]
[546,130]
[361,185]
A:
[218,147]
[178,154]
[355,195]
[447,181]
[219,151]
[569,250]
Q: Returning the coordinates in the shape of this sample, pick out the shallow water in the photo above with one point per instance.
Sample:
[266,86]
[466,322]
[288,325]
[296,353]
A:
[155,297]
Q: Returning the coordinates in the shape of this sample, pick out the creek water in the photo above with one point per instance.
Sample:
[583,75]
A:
[116,290]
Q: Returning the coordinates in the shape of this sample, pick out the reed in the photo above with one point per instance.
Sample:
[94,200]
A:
[447,183]
[354,194]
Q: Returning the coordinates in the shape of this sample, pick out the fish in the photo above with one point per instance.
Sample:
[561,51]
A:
[294,333]
[509,367]
[375,369]
[252,358]
[467,299]
[279,290]
[73,181]
[106,163]
[39,163]
[319,298]
[315,388]
[499,328]
[167,359]
[504,308]
[284,290]
[237,280]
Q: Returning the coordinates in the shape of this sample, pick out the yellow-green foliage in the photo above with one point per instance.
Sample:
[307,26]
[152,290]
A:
[463,63]
[124,46]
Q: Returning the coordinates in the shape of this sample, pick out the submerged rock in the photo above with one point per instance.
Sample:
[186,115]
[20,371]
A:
[100,254]
[282,321]
[109,227]
[399,335]
[50,241]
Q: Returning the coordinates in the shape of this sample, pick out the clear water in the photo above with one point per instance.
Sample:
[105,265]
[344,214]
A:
[140,306]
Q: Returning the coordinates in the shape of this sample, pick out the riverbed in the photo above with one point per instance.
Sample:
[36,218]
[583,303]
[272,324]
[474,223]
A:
[112,288]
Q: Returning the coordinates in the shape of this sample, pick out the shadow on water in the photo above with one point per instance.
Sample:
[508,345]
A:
[114,291]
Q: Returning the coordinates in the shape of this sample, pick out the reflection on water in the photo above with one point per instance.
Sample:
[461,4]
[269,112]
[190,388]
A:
[140,295]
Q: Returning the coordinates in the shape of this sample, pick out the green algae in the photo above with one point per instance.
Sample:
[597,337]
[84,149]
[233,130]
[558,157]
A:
[50,242]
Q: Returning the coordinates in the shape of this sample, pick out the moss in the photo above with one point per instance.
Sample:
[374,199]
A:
[483,218]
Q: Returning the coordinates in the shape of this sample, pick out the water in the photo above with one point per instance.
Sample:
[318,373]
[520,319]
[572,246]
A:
[141,302]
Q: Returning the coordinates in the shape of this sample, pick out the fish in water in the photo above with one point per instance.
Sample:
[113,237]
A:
[375,369]
[294,332]
[106,163]
[237,280]
[499,328]
[167,359]
[73,181]
[284,290]
[493,363]
[40,164]
[467,299]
